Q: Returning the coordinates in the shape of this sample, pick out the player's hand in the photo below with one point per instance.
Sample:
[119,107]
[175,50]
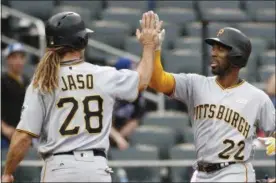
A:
[269,142]
[150,29]
[122,144]
[7,178]
[161,33]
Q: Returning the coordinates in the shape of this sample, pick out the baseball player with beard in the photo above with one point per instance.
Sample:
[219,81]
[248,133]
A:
[224,108]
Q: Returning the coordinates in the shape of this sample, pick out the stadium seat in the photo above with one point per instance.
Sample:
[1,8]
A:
[193,29]
[5,2]
[25,174]
[130,16]
[133,46]
[94,6]
[251,67]
[161,137]
[220,14]
[178,121]
[39,9]
[182,152]
[139,152]
[214,27]
[259,45]
[261,10]
[268,57]
[86,14]
[252,6]
[259,85]
[256,29]
[187,135]
[29,70]
[176,4]
[221,11]
[265,15]
[178,16]
[183,60]
[142,5]
[266,71]
[262,171]
[96,56]
[110,32]
[243,74]
[194,43]
[173,31]
[203,5]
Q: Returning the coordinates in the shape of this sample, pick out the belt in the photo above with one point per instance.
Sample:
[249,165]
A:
[96,152]
[211,167]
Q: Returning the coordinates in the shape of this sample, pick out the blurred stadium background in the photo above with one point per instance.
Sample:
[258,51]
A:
[163,143]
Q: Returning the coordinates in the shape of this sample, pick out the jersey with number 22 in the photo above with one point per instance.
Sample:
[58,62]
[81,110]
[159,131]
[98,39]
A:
[224,119]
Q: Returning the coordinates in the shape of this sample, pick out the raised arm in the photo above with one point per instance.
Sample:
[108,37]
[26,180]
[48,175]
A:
[161,81]
[147,37]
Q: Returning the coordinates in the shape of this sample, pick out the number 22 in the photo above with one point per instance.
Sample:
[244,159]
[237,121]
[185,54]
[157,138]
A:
[237,156]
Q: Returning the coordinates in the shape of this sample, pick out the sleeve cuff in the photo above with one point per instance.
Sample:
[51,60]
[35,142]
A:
[30,133]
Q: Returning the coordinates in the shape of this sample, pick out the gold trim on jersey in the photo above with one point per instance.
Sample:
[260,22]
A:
[246,172]
[44,172]
[30,133]
[231,87]
[72,62]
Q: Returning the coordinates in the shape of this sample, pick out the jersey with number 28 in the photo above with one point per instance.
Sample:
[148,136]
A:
[224,119]
[78,115]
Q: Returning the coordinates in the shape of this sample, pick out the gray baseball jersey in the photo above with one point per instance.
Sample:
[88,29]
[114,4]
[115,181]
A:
[78,115]
[224,120]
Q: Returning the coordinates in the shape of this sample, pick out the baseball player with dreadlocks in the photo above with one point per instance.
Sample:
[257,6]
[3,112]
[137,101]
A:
[69,103]
[224,109]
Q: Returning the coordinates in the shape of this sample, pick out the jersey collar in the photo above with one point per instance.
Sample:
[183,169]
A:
[71,62]
[231,87]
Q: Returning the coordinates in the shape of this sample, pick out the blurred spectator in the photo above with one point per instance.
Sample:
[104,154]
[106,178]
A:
[271,88]
[13,86]
[127,115]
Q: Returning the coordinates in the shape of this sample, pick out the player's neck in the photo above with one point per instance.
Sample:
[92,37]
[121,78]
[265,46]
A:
[228,80]
[71,56]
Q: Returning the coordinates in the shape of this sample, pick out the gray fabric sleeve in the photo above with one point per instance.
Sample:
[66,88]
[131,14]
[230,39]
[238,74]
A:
[184,87]
[125,84]
[32,113]
[267,116]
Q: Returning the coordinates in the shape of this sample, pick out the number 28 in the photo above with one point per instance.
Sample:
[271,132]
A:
[88,114]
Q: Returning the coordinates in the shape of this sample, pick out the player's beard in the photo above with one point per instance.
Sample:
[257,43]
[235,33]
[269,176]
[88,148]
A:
[222,69]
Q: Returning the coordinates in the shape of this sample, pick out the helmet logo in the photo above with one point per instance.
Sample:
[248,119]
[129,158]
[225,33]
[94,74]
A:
[220,32]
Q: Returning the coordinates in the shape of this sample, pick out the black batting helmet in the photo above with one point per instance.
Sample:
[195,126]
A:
[237,41]
[66,29]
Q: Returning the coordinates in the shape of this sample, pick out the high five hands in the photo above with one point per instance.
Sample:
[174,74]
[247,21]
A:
[150,29]
[161,33]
